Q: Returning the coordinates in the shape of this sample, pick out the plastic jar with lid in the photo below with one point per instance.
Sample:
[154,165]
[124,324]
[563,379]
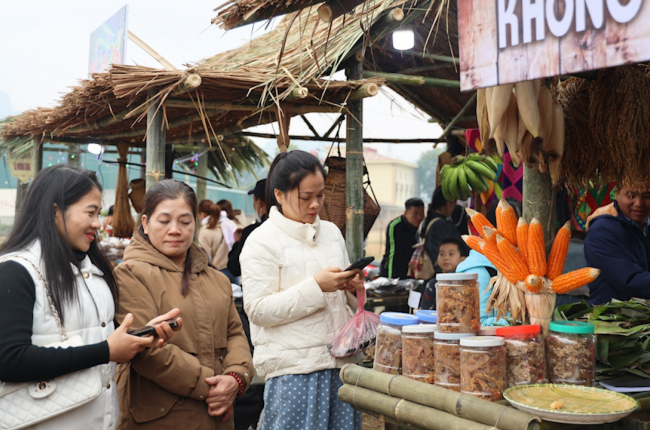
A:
[487,331]
[427,316]
[417,352]
[525,354]
[483,367]
[571,353]
[388,347]
[446,351]
[458,303]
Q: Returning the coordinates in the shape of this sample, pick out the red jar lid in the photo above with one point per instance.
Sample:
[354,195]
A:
[518,329]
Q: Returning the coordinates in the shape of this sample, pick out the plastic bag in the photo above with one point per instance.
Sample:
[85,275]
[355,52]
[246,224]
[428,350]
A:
[357,335]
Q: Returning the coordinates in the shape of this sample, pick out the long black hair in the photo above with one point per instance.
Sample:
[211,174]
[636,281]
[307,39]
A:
[286,172]
[58,186]
[170,189]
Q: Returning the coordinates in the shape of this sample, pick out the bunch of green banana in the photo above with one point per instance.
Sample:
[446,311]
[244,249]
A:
[466,175]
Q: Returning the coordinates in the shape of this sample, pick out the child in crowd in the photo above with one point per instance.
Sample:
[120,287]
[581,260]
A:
[452,252]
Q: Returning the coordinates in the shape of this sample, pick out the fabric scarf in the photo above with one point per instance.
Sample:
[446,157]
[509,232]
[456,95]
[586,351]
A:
[228,229]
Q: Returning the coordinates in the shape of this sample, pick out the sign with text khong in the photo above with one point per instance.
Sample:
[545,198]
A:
[505,41]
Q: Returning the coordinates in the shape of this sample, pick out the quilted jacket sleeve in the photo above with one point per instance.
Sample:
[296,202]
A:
[266,303]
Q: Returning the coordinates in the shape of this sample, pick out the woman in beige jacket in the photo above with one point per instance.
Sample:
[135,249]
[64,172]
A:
[212,239]
[190,383]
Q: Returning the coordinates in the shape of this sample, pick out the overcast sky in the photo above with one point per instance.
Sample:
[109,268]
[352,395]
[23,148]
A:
[44,49]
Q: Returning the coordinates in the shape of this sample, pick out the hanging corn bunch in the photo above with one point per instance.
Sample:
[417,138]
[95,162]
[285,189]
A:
[527,282]
[526,119]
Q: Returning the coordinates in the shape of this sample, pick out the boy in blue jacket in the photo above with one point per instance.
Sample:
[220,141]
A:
[619,246]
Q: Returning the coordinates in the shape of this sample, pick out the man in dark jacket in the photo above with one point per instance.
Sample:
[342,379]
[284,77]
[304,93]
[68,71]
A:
[620,247]
[400,238]
[259,205]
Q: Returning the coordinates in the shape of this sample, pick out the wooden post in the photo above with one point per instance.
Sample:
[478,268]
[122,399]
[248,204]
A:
[74,155]
[156,133]
[539,201]
[201,184]
[354,169]
[21,189]
[37,163]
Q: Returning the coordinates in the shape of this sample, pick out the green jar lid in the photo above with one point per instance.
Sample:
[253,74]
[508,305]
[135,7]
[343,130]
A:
[571,327]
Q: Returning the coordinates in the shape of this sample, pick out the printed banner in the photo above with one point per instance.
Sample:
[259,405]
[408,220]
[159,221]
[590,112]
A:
[108,43]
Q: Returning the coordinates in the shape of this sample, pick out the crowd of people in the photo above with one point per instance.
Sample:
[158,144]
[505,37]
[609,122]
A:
[194,367]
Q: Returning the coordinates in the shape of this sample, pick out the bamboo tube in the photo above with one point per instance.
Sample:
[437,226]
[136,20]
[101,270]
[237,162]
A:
[298,94]
[364,91]
[396,78]
[404,411]
[452,402]
[192,82]
[331,10]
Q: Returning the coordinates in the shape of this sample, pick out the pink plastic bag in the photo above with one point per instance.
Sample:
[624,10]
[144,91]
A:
[357,335]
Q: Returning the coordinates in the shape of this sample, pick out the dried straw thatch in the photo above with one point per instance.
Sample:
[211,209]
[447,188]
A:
[607,127]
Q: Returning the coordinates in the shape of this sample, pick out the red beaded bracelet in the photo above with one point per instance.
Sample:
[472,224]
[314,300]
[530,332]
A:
[242,387]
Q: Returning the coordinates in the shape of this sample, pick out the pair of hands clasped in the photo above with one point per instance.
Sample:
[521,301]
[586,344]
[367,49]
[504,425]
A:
[123,347]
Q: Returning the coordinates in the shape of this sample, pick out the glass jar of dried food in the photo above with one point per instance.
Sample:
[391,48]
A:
[571,353]
[446,351]
[417,352]
[427,316]
[483,367]
[458,303]
[388,347]
[525,354]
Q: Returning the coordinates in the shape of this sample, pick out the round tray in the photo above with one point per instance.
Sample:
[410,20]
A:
[582,405]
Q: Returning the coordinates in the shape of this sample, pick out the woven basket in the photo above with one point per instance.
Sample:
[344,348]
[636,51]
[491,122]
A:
[137,194]
[334,207]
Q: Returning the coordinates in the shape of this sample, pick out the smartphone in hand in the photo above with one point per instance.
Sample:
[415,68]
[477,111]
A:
[150,330]
[360,263]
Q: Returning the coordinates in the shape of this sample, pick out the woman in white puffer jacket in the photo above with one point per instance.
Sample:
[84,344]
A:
[298,298]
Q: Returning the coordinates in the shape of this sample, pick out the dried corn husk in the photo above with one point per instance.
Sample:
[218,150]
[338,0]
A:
[512,128]
[545,104]
[554,147]
[507,299]
[527,106]
[498,106]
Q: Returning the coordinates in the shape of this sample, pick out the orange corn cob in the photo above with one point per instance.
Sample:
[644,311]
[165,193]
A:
[557,257]
[533,283]
[507,221]
[512,258]
[575,279]
[536,252]
[522,238]
[491,252]
[473,242]
[490,234]
[478,220]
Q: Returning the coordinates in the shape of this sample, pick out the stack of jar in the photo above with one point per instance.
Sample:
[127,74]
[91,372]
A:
[388,347]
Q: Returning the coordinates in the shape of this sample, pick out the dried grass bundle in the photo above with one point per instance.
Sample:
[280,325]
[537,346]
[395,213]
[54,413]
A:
[619,115]
[123,223]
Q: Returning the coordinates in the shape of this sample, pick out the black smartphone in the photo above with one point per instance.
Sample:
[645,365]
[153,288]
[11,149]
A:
[360,263]
[150,330]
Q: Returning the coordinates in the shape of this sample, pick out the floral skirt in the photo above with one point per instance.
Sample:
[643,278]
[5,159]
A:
[309,402]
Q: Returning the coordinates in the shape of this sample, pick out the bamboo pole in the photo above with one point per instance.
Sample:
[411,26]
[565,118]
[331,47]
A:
[354,169]
[332,9]
[201,185]
[342,139]
[396,78]
[149,50]
[224,106]
[271,12]
[298,94]
[105,122]
[192,82]
[539,202]
[436,57]
[37,163]
[156,133]
[452,402]
[364,91]
[459,115]
[406,412]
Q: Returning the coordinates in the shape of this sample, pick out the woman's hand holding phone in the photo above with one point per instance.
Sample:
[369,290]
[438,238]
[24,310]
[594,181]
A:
[332,279]
[163,330]
[122,347]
